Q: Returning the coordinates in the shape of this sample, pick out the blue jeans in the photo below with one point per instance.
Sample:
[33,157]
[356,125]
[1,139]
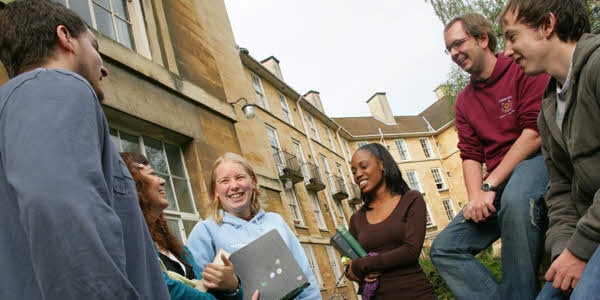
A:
[518,221]
[588,286]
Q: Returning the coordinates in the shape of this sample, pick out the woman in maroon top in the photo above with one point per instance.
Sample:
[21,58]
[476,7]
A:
[391,223]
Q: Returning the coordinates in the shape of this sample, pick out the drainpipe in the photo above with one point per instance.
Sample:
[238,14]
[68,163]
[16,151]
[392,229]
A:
[316,159]
[442,163]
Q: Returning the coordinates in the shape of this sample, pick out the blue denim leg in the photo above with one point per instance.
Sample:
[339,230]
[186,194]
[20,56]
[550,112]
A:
[517,222]
[550,293]
[588,286]
[452,254]
[520,220]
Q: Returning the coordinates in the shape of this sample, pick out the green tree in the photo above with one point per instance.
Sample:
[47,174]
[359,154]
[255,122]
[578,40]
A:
[448,9]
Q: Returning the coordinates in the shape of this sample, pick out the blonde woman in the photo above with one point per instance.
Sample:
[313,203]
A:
[236,219]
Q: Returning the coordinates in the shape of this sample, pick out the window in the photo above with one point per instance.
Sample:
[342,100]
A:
[300,157]
[437,177]
[317,210]
[426,148]
[360,144]
[312,261]
[413,180]
[120,20]
[168,162]
[313,128]
[347,149]
[334,260]
[274,143]
[428,219]
[402,150]
[340,208]
[448,208]
[341,172]
[260,92]
[327,172]
[330,140]
[295,206]
[287,116]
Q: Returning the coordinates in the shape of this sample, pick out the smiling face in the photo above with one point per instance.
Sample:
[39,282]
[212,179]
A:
[234,188]
[88,61]
[154,194]
[367,171]
[525,44]
[465,50]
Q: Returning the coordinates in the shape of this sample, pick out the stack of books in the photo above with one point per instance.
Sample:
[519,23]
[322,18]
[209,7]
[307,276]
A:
[347,244]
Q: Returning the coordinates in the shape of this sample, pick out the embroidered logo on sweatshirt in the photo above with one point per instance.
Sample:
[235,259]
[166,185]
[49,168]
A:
[506,106]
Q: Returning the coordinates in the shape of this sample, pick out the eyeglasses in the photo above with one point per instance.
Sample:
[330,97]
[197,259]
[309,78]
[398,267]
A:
[456,44]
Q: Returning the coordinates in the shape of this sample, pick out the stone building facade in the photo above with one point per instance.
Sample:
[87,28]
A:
[174,70]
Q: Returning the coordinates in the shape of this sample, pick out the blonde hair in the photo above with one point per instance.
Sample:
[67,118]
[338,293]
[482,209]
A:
[215,207]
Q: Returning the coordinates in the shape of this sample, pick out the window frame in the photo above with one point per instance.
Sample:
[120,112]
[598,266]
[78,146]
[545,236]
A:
[278,165]
[287,114]
[259,90]
[316,205]
[449,208]
[330,140]
[295,208]
[402,149]
[426,146]
[313,263]
[313,127]
[334,256]
[438,179]
[429,217]
[416,177]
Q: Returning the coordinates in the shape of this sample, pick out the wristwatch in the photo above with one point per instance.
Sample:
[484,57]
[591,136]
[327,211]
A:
[486,187]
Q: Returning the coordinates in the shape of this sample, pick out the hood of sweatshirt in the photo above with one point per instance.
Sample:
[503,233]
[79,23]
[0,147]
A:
[237,222]
[587,44]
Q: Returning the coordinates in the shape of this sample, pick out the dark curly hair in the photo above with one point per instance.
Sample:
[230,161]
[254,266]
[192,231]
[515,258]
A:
[159,230]
[393,177]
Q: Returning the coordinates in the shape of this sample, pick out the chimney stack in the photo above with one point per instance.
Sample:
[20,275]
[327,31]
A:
[272,64]
[314,98]
[380,108]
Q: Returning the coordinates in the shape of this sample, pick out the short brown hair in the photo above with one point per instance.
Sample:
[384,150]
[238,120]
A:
[28,32]
[476,26]
[572,17]
[215,207]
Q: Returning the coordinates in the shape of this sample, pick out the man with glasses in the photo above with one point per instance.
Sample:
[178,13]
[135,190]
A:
[496,122]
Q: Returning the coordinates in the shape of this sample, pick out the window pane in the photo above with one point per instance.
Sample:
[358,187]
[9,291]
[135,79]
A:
[188,225]
[124,30]
[155,154]
[174,158]
[104,22]
[119,8]
[174,227]
[183,195]
[101,2]
[130,143]
[82,8]
[114,137]
[169,192]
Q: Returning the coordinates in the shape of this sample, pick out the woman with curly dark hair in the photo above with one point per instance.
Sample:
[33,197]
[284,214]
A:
[173,255]
[390,226]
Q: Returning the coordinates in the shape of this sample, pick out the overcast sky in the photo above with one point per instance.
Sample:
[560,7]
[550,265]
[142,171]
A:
[348,49]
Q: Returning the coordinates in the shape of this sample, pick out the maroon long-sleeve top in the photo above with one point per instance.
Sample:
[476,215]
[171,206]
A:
[398,241]
[492,114]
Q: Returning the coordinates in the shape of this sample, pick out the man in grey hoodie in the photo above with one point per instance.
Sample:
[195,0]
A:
[70,222]
[549,36]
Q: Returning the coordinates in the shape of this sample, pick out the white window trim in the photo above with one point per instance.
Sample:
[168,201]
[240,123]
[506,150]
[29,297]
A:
[294,204]
[314,264]
[401,147]
[450,207]
[341,172]
[287,114]
[430,216]
[335,262]
[327,172]
[438,172]
[314,199]
[347,149]
[420,189]
[426,148]
[313,128]
[268,127]
[340,207]
[330,139]
[300,153]
[264,105]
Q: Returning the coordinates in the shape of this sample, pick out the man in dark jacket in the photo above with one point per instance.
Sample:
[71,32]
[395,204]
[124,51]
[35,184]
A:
[71,226]
[549,36]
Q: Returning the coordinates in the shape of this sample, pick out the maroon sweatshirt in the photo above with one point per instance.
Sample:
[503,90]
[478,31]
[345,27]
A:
[492,114]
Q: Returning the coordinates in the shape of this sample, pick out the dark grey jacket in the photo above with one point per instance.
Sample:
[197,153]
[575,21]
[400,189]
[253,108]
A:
[573,156]
[70,222]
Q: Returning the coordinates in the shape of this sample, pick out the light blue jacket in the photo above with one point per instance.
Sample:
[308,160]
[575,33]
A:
[207,237]
[181,291]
